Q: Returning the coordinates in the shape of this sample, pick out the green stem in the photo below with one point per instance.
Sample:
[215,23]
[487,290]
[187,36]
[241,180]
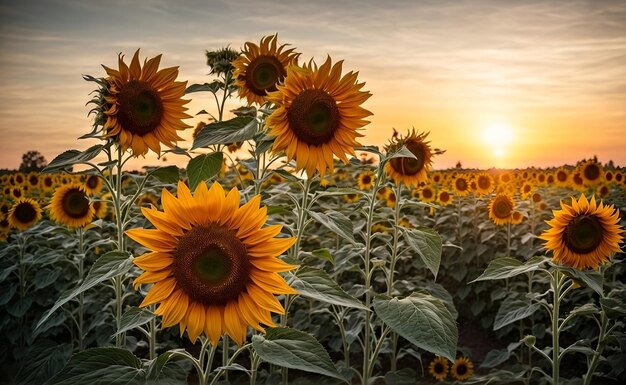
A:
[255,360]
[81,296]
[152,331]
[118,280]
[556,281]
[599,348]
[392,265]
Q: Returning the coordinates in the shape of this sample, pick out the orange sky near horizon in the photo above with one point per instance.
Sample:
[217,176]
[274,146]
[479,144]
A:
[549,76]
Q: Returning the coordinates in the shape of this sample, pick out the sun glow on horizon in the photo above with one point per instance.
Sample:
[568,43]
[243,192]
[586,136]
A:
[498,136]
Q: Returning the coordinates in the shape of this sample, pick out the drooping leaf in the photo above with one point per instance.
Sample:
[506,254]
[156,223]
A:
[165,370]
[427,243]
[512,310]
[423,320]
[317,284]
[133,318]
[72,157]
[335,222]
[496,357]
[238,129]
[101,366]
[590,278]
[294,349]
[507,267]
[203,167]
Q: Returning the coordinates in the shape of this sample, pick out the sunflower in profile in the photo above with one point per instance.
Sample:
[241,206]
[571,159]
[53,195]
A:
[70,206]
[591,171]
[439,368]
[144,105]
[93,184]
[260,68]
[405,222]
[213,266]
[411,171]
[462,369]
[461,185]
[318,115]
[583,235]
[484,183]
[379,228]
[366,180]
[24,213]
[501,209]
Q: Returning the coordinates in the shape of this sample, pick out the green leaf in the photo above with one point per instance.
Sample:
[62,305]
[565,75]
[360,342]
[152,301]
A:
[423,320]
[317,284]
[134,317]
[585,309]
[212,87]
[203,167]
[590,278]
[287,175]
[164,369]
[294,349]
[512,310]
[18,308]
[324,254]
[107,266]
[613,307]
[496,357]
[335,222]
[403,152]
[426,242]
[234,130]
[46,277]
[44,360]
[72,157]
[101,366]
[507,267]
[169,174]
[7,294]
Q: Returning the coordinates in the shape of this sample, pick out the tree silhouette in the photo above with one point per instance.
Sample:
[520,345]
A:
[33,161]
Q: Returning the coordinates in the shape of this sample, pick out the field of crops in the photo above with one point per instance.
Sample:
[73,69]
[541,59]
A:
[286,251]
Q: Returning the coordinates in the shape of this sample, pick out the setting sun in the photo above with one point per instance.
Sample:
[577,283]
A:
[497,137]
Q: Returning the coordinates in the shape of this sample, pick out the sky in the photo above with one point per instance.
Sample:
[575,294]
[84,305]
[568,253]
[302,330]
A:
[496,83]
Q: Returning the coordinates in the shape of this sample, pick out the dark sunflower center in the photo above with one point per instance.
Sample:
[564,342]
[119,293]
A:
[140,107]
[526,189]
[211,264]
[502,209]
[314,117]
[75,203]
[444,196]
[97,205]
[92,181]
[561,176]
[461,184]
[483,182]
[4,209]
[461,369]
[583,234]
[578,180]
[366,179]
[25,212]
[4,224]
[438,368]
[410,166]
[17,193]
[263,73]
[427,194]
[33,180]
[592,172]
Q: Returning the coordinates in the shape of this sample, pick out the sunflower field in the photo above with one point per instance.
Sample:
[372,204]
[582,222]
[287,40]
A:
[288,252]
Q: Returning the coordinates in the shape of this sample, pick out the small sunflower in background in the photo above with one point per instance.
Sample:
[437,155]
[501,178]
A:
[260,68]
[24,213]
[144,105]
[5,206]
[439,368]
[93,184]
[578,182]
[484,184]
[365,180]
[536,197]
[213,265]
[32,180]
[70,206]
[461,185]
[585,234]
[147,200]
[351,198]
[501,209]
[526,190]
[427,194]
[379,228]
[19,179]
[462,369]
[407,170]
[562,177]
[391,198]
[405,222]
[591,172]
[47,182]
[319,114]
[517,217]
[603,190]
[444,197]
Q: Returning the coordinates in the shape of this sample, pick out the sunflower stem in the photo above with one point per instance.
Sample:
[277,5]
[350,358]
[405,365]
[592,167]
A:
[556,281]
[81,296]
[118,280]
[152,331]
[602,341]
[392,265]
[225,351]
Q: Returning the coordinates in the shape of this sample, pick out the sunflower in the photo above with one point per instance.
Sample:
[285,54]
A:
[536,197]
[603,190]
[32,180]
[405,222]
[444,197]
[5,226]
[411,171]
[517,217]
[351,198]
[93,184]
[391,198]
[619,177]
[318,115]
[18,192]
[366,180]
[47,182]
[578,182]
[484,183]
[550,179]
[4,208]
[462,369]
[438,368]
[583,235]
[260,68]
[591,172]
[24,213]
[542,178]
[526,190]
[461,185]
[19,179]
[562,176]
[379,228]
[213,267]
[70,206]
[501,209]
[147,200]
[427,194]
[437,177]
[144,105]
[100,207]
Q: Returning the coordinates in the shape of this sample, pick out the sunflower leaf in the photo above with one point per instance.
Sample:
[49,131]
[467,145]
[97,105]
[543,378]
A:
[133,318]
[212,87]
[169,174]
[335,222]
[165,370]
[100,366]
[423,320]
[234,130]
[203,167]
[591,278]
[294,349]
[403,152]
[508,267]
[512,310]
[72,157]
[427,243]
[107,266]
[317,284]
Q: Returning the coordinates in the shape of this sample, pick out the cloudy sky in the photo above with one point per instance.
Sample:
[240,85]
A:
[497,83]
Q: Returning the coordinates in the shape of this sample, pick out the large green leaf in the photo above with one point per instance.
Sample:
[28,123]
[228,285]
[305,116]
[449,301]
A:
[234,130]
[590,278]
[294,349]
[512,310]
[42,361]
[72,157]
[423,320]
[335,222]
[496,357]
[203,167]
[164,370]
[427,243]
[507,267]
[134,317]
[168,174]
[317,284]
[107,266]
[101,366]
